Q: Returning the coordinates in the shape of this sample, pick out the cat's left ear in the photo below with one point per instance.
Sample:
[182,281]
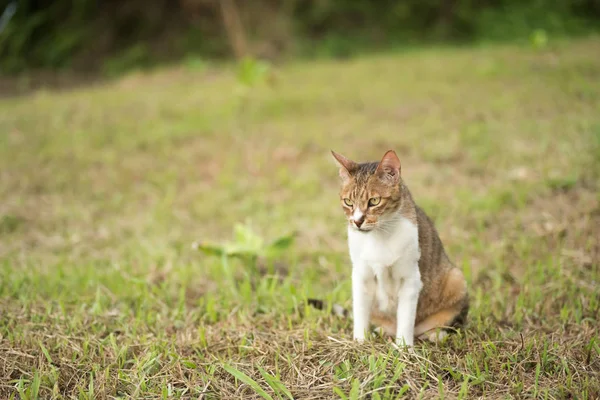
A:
[389,167]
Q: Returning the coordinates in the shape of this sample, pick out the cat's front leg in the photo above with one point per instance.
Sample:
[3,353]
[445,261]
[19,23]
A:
[363,292]
[408,297]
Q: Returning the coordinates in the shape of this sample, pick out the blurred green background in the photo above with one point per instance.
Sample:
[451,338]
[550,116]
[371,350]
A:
[110,37]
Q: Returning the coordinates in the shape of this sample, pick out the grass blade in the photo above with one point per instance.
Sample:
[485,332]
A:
[275,383]
[46,353]
[247,380]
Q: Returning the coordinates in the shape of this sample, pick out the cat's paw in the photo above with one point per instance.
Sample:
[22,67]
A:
[434,336]
[402,341]
[402,347]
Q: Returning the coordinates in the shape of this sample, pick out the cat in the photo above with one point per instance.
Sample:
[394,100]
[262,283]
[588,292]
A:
[402,280]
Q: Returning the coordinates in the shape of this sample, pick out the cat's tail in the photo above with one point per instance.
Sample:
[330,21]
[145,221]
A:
[336,309]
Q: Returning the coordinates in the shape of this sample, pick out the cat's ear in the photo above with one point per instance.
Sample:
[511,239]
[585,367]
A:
[346,166]
[389,167]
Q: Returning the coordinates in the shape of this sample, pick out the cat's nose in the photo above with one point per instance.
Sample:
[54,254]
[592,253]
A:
[358,222]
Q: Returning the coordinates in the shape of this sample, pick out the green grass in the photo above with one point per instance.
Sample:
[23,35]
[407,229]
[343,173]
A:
[103,191]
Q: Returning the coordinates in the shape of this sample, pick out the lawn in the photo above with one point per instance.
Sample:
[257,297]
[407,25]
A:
[104,190]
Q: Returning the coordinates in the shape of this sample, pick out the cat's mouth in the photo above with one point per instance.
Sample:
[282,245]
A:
[363,229]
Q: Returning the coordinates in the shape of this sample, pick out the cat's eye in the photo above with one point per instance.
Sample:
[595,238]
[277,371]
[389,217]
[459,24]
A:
[373,201]
[348,202]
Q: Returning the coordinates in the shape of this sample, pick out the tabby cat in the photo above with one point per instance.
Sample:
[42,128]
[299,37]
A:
[402,279]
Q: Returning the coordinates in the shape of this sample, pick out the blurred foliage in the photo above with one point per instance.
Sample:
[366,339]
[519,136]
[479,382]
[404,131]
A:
[112,36]
[252,71]
[248,246]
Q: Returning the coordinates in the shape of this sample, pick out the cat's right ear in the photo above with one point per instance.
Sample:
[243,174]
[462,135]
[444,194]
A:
[346,166]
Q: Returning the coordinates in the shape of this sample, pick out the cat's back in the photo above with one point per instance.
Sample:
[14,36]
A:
[433,256]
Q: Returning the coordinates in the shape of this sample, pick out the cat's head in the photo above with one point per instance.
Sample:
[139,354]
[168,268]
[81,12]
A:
[371,192]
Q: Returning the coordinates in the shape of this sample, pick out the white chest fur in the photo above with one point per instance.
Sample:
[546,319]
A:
[397,247]
[385,269]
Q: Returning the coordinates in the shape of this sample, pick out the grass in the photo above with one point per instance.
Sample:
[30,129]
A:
[104,189]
